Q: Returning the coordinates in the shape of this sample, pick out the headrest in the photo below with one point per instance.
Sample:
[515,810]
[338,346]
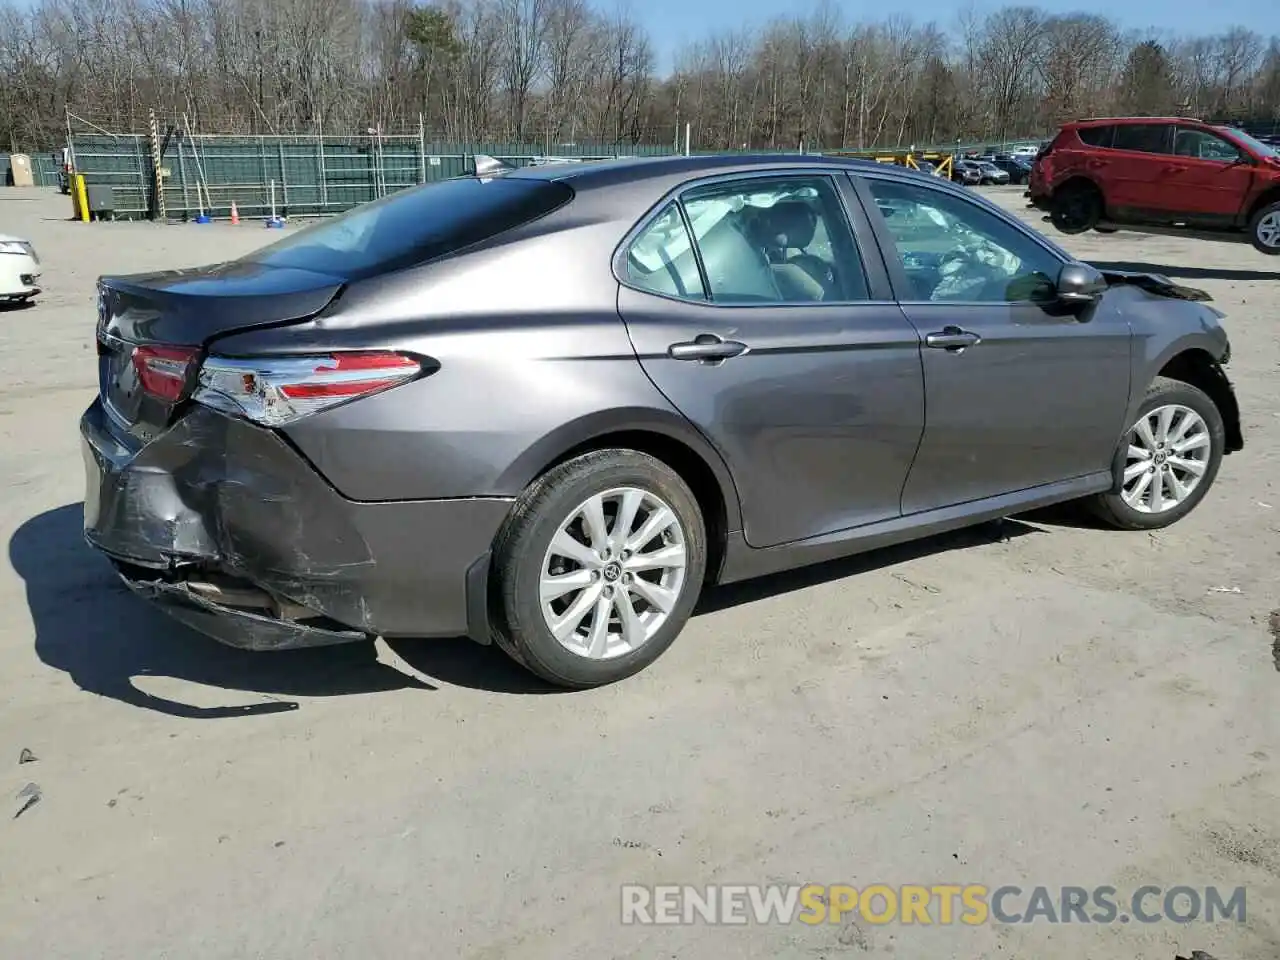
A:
[791,224]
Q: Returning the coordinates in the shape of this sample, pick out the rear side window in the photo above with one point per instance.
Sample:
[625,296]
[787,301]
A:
[776,240]
[662,260]
[1095,136]
[414,226]
[1144,137]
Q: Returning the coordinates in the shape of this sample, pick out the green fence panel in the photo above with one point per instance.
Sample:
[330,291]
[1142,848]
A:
[311,175]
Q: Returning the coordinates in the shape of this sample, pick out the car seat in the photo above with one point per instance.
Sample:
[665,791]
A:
[787,228]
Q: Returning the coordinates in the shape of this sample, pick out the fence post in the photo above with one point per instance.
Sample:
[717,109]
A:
[324,184]
[422,151]
[157,206]
[284,179]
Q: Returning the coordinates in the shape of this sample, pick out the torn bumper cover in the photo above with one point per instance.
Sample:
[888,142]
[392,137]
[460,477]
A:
[228,529]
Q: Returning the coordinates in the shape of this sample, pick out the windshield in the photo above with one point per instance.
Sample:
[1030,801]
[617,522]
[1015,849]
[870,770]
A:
[413,226]
[1257,146]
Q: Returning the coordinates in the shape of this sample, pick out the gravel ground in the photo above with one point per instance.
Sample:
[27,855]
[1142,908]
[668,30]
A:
[1029,703]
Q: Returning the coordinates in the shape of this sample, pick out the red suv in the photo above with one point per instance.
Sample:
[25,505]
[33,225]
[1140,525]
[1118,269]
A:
[1163,173]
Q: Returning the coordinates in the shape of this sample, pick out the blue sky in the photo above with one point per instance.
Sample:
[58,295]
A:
[673,23]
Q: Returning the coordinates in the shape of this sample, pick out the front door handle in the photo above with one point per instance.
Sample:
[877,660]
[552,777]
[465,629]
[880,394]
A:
[1168,170]
[952,338]
[706,347]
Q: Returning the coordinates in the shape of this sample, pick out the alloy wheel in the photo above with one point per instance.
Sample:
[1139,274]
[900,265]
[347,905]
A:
[1268,230]
[1169,449]
[613,573]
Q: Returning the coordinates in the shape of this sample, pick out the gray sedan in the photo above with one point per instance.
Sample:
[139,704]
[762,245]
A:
[545,408]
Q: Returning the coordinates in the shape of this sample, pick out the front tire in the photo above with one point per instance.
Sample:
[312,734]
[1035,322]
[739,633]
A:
[1167,461]
[598,568]
[1264,230]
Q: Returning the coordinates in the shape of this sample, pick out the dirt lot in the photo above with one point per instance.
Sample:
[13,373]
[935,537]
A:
[1027,703]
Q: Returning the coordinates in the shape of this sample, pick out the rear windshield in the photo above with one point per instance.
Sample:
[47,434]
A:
[414,226]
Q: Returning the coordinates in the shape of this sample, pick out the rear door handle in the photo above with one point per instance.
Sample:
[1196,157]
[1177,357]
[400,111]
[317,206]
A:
[1097,164]
[1174,170]
[952,338]
[706,347]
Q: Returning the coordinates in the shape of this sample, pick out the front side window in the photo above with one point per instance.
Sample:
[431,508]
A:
[1143,137]
[953,250]
[1202,145]
[661,259]
[775,240]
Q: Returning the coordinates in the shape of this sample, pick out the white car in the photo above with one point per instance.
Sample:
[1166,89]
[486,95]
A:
[19,270]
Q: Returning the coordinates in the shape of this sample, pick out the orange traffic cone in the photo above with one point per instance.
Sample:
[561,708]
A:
[235,214]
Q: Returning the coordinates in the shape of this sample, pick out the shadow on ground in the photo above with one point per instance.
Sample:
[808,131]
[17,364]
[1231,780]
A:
[1187,273]
[89,625]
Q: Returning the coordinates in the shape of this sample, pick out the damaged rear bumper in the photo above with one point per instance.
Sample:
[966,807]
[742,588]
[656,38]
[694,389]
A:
[226,527]
[268,627]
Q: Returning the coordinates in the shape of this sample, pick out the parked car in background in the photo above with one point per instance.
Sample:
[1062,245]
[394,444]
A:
[545,408]
[967,172]
[19,270]
[1164,173]
[1017,167]
[992,174]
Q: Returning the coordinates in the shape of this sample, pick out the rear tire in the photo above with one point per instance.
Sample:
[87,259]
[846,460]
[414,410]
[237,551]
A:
[1264,230]
[1076,208]
[1164,470]
[607,611]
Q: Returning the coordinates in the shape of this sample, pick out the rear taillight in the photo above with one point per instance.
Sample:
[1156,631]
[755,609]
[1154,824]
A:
[274,391]
[163,371]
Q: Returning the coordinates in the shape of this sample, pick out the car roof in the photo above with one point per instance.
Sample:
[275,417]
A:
[1094,120]
[626,170]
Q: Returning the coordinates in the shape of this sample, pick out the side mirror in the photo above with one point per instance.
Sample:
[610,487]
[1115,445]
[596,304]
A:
[1079,284]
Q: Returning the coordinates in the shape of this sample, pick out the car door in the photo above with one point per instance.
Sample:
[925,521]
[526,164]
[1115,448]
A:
[776,337]
[1210,175]
[1017,393]
[1137,170]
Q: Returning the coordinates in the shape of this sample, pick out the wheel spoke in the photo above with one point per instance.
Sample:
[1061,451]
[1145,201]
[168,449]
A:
[598,639]
[626,518]
[632,628]
[1180,489]
[1135,470]
[1143,430]
[1134,496]
[1186,421]
[668,556]
[565,545]
[1194,467]
[1164,420]
[593,521]
[1193,442]
[567,624]
[554,587]
[654,524]
[1138,453]
[1157,492]
[660,598]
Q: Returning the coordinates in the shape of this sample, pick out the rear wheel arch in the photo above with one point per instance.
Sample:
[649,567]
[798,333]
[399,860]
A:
[1196,366]
[1079,181]
[666,439]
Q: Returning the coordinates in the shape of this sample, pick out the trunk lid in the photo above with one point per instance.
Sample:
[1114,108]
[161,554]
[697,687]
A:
[179,312]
